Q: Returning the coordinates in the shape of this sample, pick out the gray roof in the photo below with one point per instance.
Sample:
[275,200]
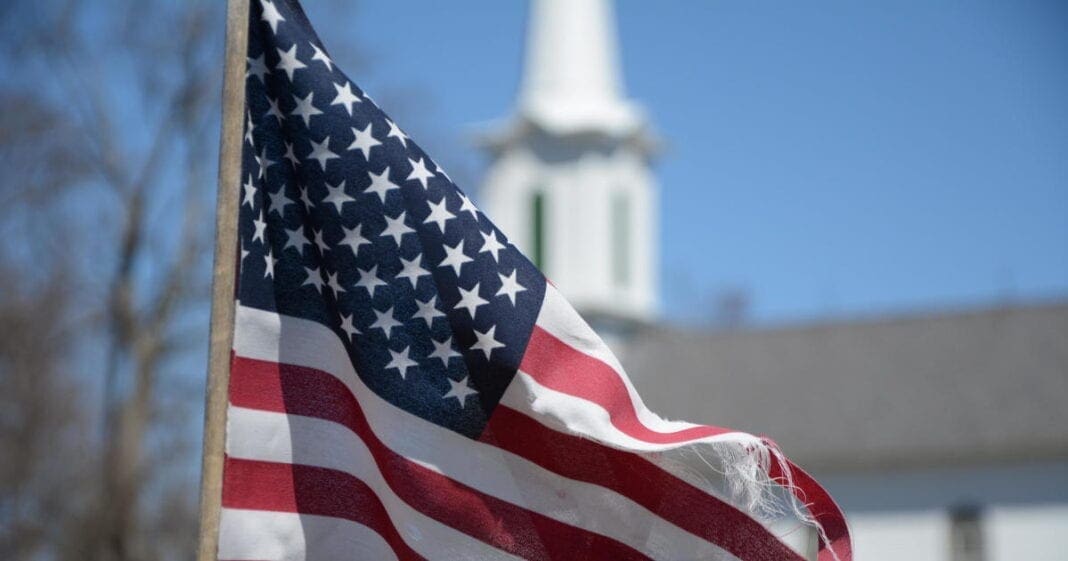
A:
[946,389]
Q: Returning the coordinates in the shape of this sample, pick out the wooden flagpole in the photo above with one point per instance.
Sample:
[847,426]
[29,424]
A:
[224,277]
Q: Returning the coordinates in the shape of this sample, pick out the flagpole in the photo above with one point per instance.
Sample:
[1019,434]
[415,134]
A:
[224,278]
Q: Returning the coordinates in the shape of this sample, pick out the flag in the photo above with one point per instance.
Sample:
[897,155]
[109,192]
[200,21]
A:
[405,384]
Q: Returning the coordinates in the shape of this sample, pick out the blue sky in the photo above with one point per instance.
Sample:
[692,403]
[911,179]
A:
[828,158]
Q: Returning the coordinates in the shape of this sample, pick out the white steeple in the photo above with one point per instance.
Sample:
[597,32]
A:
[570,182]
[571,78]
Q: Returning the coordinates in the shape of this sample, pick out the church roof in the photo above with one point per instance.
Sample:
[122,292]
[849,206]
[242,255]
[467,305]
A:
[910,391]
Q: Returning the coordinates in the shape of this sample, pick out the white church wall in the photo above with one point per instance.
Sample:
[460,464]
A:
[915,536]
[1009,533]
[1034,533]
[907,514]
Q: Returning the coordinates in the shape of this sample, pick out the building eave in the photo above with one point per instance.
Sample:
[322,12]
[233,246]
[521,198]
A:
[497,136]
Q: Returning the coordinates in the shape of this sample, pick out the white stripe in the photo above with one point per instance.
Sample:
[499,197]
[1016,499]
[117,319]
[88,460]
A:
[694,462]
[495,472]
[285,536]
[484,467]
[569,414]
[269,437]
[562,321]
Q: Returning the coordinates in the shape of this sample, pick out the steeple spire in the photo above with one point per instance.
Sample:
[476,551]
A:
[572,74]
[571,52]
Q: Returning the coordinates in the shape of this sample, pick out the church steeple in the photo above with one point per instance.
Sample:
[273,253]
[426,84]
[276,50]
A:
[570,181]
[571,77]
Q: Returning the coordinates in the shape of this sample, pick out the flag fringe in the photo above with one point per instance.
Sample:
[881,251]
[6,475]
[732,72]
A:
[746,465]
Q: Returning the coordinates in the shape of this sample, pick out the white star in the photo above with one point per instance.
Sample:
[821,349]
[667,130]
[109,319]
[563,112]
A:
[467,206]
[305,199]
[438,214]
[345,97]
[380,184]
[385,321]
[396,228]
[257,67]
[321,56]
[354,239]
[510,286]
[347,327]
[279,201]
[320,242]
[470,300]
[331,281]
[486,343]
[289,62]
[490,244]
[305,109]
[290,155]
[250,193]
[402,361]
[271,15]
[321,152]
[428,311]
[419,172]
[369,280]
[395,132]
[249,128]
[297,239]
[412,271]
[460,390]
[455,257]
[244,252]
[263,161]
[315,278]
[364,141]
[274,111]
[269,261]
[336,195]
[443,351]
[261,228]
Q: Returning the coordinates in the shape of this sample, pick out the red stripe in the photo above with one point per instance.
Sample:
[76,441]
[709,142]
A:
[823,508]
[558,366]
[255,485]
[303,391]
[642,481]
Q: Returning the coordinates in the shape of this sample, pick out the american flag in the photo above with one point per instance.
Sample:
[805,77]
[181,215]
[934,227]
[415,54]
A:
[405,384]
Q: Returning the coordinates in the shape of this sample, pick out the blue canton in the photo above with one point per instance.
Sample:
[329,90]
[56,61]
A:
[347,222]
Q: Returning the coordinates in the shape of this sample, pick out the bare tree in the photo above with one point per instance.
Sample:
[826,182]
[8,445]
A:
[113,155]
[38,413]
[108,135]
